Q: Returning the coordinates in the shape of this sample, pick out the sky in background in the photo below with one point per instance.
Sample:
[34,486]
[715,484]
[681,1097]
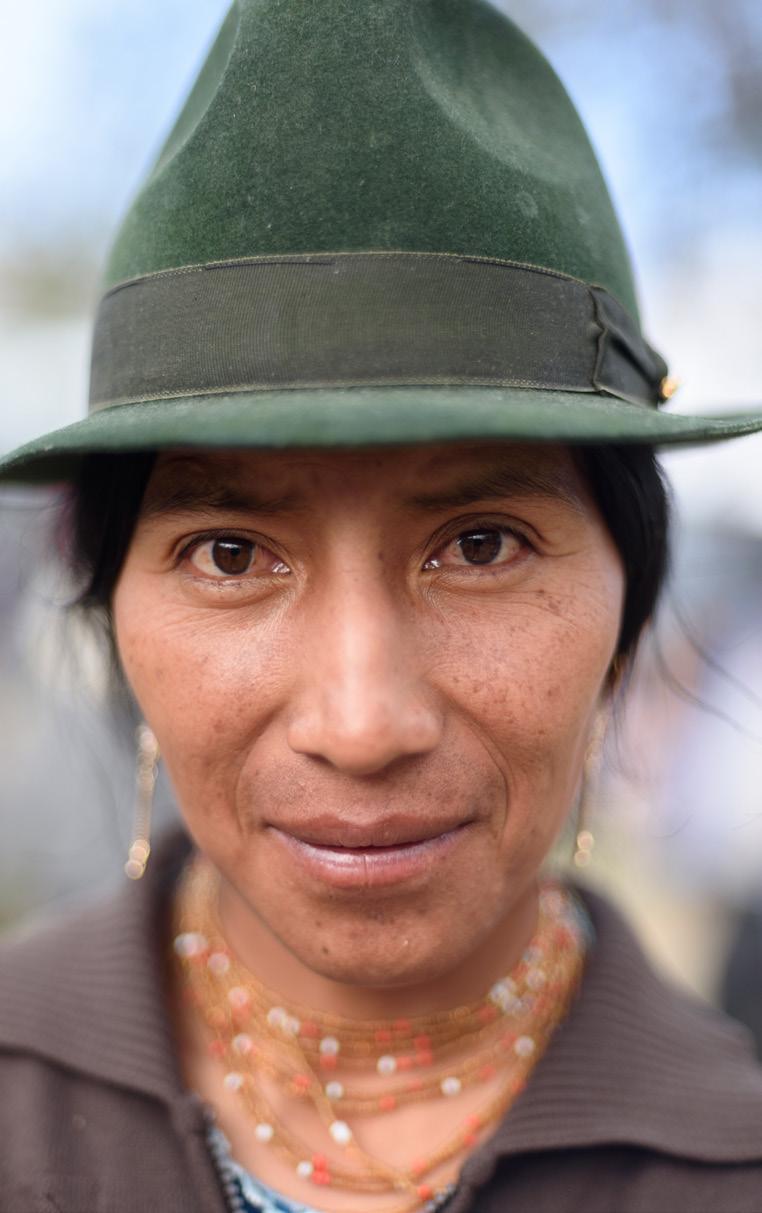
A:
[671,91]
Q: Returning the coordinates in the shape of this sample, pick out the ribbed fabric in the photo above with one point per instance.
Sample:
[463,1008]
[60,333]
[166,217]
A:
[632,1057]
[364,319]
[636,1070]
[87,993]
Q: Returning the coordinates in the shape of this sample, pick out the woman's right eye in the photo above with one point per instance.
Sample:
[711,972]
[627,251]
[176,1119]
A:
[234,556]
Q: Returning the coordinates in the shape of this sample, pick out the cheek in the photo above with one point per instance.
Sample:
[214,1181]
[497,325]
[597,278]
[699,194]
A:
[205,681]
[525,678]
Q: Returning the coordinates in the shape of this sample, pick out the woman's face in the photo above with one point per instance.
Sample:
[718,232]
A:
[373,676]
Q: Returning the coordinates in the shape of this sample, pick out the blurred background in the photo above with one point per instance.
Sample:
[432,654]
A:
[671,91]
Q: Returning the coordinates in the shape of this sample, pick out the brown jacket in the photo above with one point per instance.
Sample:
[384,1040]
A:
[646,1101]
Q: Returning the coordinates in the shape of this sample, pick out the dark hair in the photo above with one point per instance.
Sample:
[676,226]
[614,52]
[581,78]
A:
[630,491]
[626,483]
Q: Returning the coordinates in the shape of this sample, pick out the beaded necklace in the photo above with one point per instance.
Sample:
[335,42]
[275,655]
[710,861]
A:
[334,1063]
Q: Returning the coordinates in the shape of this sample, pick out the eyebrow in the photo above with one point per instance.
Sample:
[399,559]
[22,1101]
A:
[209,496]
[501,482]
[189,498]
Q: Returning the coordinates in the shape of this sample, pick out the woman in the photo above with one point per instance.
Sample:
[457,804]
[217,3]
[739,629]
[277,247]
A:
[368,500]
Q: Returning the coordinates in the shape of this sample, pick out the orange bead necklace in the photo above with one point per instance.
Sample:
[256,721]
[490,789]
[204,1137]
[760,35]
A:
[337,1065]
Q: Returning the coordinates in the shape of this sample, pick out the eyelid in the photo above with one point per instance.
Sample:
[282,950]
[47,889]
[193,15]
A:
[461,527]
[194,542]
[465,526]
[188,543]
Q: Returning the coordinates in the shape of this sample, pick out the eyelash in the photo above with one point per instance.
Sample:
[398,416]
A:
[460,529]
[470,526]
[198,541]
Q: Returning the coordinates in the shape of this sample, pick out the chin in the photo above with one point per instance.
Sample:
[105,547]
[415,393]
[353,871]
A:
[380,946]
[384,966]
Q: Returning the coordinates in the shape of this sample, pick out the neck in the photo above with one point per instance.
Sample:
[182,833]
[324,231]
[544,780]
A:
[278,968]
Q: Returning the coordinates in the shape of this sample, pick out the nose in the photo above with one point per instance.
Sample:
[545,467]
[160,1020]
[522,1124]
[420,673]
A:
[362,702]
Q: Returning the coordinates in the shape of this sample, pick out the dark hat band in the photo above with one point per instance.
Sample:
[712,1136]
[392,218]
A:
[365,319]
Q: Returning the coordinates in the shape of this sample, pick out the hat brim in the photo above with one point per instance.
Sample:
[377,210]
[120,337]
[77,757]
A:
[370,416]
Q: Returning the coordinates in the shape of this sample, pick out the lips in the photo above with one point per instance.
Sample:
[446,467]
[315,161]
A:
[338,833]
[357,857]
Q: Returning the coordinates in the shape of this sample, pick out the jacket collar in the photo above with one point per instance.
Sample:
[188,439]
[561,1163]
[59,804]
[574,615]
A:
[635,1062]
[638,1062]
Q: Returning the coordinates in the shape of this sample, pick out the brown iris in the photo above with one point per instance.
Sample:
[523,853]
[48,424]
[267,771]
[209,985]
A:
[233,556]
[480,547]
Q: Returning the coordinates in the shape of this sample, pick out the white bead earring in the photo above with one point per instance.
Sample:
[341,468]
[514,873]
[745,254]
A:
[584,839]
[145,782]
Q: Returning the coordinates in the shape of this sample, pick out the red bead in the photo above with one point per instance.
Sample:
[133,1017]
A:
[309,1029]
[302,1082]
[424,1059]
[487,1014]
[320,1162]
[328,1061]
[423,1043]
[402,1025]
[320,1177]
[216,1048]
[387,1103]
[473,1121]
[424,1192]
[405,1063]
[383,1036]
[486,1073]
[469,1139]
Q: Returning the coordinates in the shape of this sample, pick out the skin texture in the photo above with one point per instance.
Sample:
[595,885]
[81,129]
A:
[371,670]
[363,668]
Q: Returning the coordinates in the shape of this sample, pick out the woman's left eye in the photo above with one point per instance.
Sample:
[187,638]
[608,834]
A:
[234,556]
[479,546]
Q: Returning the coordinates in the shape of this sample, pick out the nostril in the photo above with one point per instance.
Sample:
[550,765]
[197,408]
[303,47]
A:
[364,745]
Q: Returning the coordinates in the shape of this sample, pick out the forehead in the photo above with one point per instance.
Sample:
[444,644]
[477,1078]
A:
[416,476]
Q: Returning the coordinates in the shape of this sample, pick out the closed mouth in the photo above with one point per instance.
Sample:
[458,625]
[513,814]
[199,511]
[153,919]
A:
[390,834]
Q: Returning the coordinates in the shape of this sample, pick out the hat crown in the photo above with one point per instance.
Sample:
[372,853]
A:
[327,125]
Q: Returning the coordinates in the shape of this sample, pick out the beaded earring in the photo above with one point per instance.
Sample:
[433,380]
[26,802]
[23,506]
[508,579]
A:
[584,839]
[145,782]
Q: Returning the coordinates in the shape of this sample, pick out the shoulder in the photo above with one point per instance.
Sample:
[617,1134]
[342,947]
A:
[86,992]
[639,1065]
[93,1110]
[681,1076]
[624,1179]
[653,1036]
[646,1101]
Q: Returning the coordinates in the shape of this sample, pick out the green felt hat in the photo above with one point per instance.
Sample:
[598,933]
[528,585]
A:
[376,222]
